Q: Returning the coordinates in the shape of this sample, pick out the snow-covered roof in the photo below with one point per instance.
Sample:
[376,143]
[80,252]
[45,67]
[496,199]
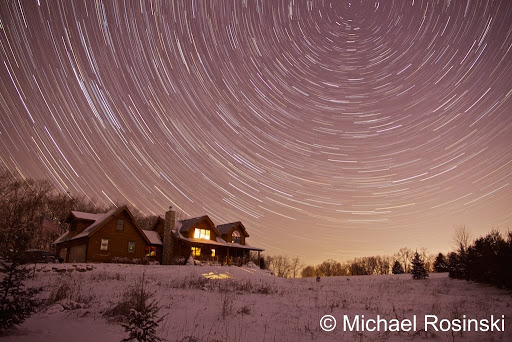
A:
[153,237]
[61,238]
[99,218]
[86,216]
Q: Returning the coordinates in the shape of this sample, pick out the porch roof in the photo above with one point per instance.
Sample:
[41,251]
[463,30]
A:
[219,242]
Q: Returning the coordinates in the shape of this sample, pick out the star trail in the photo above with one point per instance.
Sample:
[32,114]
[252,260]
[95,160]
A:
[331,129]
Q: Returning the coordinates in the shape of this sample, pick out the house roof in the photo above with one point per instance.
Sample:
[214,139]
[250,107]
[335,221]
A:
[100,219]
[97,220]
[227,227]
[153,237]
[80,215]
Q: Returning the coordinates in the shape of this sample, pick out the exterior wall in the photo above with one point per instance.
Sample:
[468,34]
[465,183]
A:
[117,241]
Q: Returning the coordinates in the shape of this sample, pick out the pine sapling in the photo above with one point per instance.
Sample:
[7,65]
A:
[142,320]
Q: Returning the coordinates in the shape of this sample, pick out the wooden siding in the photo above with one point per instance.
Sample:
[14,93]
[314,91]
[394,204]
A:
[117,241]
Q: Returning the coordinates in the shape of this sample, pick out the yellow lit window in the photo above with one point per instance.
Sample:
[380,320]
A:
[196,251]
[213,252]
[150,251]
[202,234]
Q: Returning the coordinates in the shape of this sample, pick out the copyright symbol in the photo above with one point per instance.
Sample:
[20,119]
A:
[327,323]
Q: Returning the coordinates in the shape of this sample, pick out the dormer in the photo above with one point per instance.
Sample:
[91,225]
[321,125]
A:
[78,221]
[199,228]
[233,232]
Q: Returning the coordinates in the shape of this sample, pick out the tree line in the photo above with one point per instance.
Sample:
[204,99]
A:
[400,262]
[488,259]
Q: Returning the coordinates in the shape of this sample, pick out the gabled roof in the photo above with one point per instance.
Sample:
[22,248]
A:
[80,215]
[158,220]
[188,223]
[227,227]
[98,220]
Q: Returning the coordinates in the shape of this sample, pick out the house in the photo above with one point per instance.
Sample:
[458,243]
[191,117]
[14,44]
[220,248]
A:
[102,237]
[115,234]
[202,239]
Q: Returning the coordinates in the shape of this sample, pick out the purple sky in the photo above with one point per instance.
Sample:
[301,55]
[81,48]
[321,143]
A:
[331,129]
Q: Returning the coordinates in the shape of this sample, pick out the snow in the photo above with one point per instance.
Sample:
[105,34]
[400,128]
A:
[153,237]
[229,303]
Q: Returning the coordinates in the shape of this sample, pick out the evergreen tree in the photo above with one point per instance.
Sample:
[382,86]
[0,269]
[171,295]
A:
[418,268]
[142,319]
[441,264]
[397,268]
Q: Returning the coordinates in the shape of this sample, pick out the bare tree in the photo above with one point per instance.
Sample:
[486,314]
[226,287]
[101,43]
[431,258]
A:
[22,204]
[280,265]
[405,255]
[461,237]
[296,266]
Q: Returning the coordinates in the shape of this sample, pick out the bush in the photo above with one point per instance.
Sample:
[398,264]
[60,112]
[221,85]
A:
[142,319]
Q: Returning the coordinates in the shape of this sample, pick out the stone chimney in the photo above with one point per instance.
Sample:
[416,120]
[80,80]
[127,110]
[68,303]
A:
[168,247]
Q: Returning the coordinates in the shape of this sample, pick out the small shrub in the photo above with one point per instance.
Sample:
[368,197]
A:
[244,310]
[142,319]
[63,291]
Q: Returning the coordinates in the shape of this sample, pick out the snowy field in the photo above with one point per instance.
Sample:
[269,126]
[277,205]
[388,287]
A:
[215,303]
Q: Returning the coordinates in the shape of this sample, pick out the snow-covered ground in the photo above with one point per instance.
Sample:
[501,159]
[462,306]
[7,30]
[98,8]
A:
[229,303]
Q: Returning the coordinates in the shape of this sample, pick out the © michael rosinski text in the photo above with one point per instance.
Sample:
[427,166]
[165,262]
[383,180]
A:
[433,323]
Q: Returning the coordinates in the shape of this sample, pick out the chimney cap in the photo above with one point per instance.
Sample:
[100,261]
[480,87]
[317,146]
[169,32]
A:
[170,207]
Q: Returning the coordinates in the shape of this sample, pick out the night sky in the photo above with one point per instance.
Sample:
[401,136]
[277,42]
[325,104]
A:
[331,129]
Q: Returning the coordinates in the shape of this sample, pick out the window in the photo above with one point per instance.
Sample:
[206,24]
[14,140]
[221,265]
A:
[104,245]
[131,247]
[196,251]
[150,251]
[202,234]
[213,252]
[120,225]
[235,237]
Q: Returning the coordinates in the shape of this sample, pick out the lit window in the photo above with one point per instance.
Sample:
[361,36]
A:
[235,237]
[196,251]
[131,247]
[120,225]
[104,245]
[150,251]
[202,234]
[213,252]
